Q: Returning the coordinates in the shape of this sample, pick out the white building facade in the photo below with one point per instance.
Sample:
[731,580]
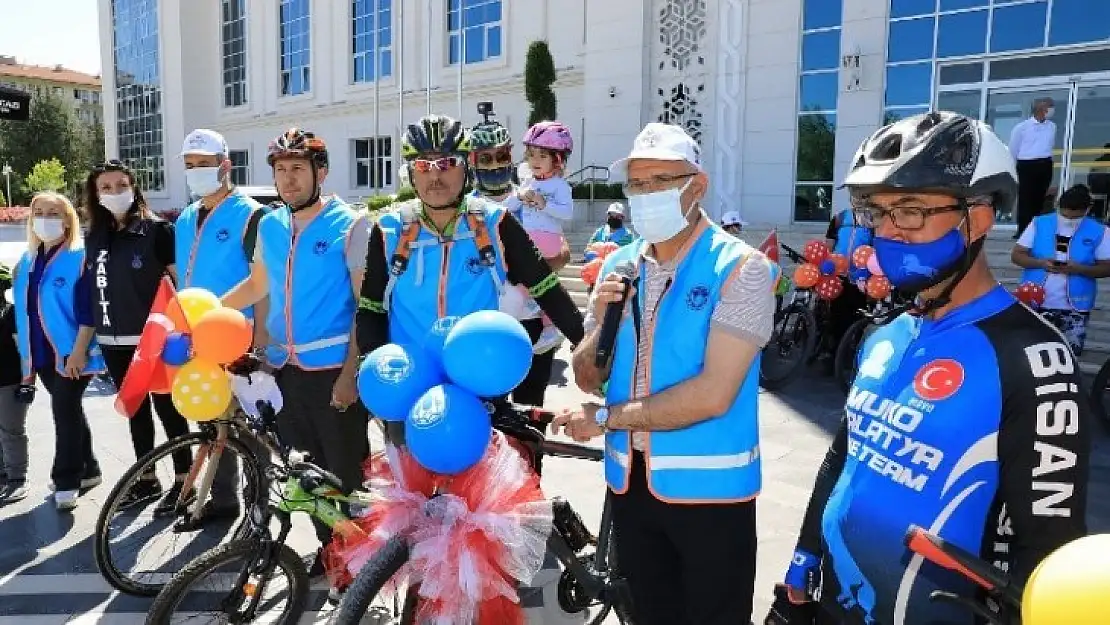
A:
[778,92]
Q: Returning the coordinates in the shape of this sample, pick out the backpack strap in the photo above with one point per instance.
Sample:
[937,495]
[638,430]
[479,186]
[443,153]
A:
[476,219]
[399,262]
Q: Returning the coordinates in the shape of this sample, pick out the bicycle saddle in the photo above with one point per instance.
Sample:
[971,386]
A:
[313,477]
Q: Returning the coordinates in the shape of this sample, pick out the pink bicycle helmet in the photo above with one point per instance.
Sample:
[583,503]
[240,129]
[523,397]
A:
[550,136]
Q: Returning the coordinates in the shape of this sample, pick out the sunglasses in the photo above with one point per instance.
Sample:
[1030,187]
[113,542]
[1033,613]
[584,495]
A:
[499,158]
[110,165]
[446,163]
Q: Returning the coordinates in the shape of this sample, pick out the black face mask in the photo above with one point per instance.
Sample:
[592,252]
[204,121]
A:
[615,223]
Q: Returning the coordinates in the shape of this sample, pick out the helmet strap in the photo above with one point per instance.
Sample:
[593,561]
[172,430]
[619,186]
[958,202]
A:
[315,192]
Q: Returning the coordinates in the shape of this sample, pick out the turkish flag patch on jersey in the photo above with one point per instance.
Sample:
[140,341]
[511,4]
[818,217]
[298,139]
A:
[939,379]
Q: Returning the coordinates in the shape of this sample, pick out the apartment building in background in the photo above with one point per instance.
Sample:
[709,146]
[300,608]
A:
[81,90]
[778,92]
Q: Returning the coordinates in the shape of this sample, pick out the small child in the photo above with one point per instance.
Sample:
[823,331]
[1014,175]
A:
[543,200]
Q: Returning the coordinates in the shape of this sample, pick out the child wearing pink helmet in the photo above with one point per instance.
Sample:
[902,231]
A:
[543,201]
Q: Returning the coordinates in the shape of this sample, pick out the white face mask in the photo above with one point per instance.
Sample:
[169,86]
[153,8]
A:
[48,228]
[120,203]
[1050,113]
[658,216]
[203,181]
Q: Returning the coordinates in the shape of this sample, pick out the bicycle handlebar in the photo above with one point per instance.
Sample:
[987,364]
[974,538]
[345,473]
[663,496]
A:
[792,253]
[944,554]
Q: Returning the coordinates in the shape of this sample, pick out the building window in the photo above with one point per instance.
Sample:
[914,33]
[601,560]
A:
[234,37]
[371,40]
[373,162]
[240,167]
[296,47]
[139,90]
[818,87]
[475,26]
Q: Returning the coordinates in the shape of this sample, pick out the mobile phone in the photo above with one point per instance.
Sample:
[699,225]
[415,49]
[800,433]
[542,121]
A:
[1059,263]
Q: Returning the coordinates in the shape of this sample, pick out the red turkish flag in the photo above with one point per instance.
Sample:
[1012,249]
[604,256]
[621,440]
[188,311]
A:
[770,246]
[148,372]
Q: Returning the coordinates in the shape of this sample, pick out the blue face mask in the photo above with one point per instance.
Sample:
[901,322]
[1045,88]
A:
[494,180]
[914,267]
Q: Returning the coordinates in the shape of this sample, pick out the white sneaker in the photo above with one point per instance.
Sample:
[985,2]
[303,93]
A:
[550,339]
[86,484]
[65,499]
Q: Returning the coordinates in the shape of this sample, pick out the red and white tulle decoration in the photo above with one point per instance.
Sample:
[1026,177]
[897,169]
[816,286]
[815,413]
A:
[470,546]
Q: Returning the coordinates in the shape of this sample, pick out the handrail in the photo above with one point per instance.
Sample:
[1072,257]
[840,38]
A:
[592,178]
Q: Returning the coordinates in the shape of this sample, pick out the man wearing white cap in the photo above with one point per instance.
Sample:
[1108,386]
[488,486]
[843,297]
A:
[614,230]
[214,243]
[681,392]
[732,223]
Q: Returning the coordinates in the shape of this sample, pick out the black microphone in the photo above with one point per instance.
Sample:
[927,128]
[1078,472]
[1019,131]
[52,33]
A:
[613,313]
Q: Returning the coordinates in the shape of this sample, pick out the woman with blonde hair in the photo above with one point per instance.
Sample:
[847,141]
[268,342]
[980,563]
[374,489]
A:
[54,328]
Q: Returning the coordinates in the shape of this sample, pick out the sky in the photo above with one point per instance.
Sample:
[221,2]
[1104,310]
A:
[51,32]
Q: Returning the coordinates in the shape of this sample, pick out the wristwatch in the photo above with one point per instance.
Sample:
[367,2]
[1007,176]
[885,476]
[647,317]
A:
[601,417]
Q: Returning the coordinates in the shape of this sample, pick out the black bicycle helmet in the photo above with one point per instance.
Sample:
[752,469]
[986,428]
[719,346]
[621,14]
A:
[297,143]
[435,134]
[940,152]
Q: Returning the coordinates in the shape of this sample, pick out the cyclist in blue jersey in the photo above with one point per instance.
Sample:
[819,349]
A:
[965,416]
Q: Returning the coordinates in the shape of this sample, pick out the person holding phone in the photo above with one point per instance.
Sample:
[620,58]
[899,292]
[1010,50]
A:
[1066,253]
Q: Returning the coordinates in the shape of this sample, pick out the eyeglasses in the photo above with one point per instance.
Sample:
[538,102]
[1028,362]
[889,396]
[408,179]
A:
[499,158]
[446,163]
[645,185]
[904,217]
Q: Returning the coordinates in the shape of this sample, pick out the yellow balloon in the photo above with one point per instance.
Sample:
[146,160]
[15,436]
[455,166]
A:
[195,302]
[201,390]
[1071,585]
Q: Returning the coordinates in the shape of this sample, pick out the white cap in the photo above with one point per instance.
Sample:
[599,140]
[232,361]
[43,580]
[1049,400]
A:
[661,142]
[616,208]
[732,218]
[204,142]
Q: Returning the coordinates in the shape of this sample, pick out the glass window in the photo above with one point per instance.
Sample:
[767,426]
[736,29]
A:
[821,50]
[1079,21]
[892,115]
[372,163]
[371,38]
[960,73]
[910,8]
[816,147]
[819,91]
[960,34]
[821,13]
[965,102]
[139,90]
[909,85]
[240,167]
[479,25]
[1018,27]
[813,202]
[235,52]
[296,47]
[910,40]
[1068,64]
[955,5]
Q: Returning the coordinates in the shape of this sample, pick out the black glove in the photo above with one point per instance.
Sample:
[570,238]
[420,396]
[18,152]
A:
[24,393]
[784,612]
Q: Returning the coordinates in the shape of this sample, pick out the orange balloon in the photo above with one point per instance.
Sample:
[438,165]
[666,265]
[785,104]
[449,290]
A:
[816,251]
[806,276]
[861,255]
[841,263]
[221,336]
[590,271]
[878,287]
[829,287]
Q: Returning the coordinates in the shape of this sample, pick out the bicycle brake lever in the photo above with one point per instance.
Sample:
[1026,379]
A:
[972,606]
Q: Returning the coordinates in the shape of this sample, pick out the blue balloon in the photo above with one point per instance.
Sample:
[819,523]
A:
[433,341]
[392,378]
[589,255]
[448,430]
[177,350]
[827,267]
[488,353]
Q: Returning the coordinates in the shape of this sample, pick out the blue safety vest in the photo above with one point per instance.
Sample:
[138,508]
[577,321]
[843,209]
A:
[441,276]
[716,460]
[1082,290]
[211,256]
[56,309]
[312,306]
[849,237]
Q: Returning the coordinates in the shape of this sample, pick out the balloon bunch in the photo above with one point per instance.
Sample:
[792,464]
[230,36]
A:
[871,279]
[436,388]
[595,256]
[823,268]
[207,335]
[1031,294]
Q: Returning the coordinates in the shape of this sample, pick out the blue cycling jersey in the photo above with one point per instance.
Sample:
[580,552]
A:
[971,426]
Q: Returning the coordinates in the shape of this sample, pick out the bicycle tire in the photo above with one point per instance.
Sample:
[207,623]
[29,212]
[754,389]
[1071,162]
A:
[168,599]
[847,352]
[1098,391]
[369,582]
[809,320]
[105,562]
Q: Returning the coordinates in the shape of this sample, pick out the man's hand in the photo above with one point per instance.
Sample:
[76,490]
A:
[1051,266]
[580,425]
[607,292]
[345,391]
[75,364]
[788,611]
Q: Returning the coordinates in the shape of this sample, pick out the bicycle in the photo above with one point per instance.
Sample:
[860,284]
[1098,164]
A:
[796,326]
[590,577]
[213,439]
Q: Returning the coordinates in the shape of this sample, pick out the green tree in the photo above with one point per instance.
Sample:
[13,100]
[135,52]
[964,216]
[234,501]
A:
[816,148]
[539,76]
[51,132]
[3,200]
[49,175]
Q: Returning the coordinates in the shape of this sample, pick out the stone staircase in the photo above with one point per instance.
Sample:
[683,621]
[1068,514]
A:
[998,246]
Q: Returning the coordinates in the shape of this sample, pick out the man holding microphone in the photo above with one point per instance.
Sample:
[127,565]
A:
[681,402]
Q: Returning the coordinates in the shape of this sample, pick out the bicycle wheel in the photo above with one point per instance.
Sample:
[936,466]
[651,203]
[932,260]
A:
[1100,388]
[368,585]
[793,340]
[151,574]
[233,562]
[844,365]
